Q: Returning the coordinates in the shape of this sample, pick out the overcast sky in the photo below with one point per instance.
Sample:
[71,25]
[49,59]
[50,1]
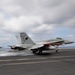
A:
[41,19]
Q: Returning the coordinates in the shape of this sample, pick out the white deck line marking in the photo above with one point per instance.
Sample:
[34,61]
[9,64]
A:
[61,56]
[10,64]
[22,63]
[35,58]
[22,59]
[36,62]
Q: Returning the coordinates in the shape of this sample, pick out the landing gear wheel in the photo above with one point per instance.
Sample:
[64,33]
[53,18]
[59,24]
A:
[40,52]
[37,51]
[34,52]
[57,51]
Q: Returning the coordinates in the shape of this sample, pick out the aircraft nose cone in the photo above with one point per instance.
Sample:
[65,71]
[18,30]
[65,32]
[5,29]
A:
[72,42]
[69,42]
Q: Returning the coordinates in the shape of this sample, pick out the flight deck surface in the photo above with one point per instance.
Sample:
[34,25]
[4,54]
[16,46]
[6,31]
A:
[49,63]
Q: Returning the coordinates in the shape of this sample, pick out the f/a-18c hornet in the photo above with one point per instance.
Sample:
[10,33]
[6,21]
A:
[27,43]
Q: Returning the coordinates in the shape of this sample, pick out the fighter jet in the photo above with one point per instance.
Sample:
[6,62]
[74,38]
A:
[37,48]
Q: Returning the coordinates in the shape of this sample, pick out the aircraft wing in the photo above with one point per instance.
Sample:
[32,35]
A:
[53,43]
[46,44]
[17,47]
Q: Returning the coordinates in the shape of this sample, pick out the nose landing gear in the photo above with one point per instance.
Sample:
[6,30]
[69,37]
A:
[57,50]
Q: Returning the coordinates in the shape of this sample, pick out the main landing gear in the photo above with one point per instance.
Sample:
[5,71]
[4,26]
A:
[37,51]
[57,51]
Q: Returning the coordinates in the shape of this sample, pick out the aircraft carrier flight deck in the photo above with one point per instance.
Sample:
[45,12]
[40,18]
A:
[49,63]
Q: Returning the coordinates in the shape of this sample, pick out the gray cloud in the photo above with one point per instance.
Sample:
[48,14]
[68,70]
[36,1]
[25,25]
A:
[36,16]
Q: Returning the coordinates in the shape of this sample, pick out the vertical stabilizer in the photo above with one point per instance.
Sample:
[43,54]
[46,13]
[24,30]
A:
[24,39]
